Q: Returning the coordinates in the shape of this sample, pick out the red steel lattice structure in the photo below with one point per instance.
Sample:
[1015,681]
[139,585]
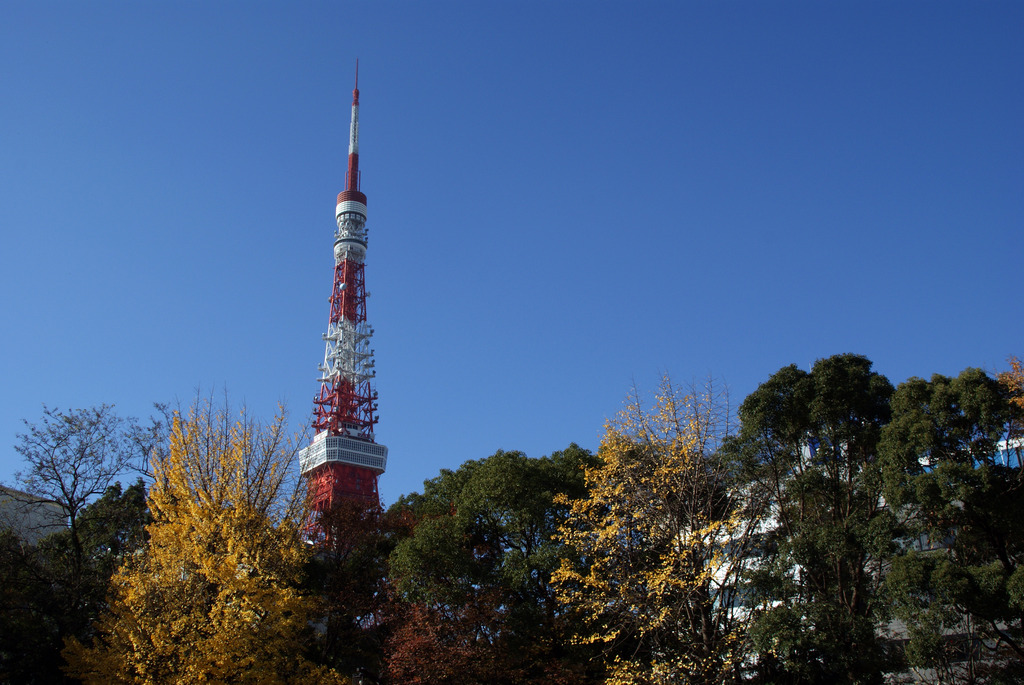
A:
[344,460]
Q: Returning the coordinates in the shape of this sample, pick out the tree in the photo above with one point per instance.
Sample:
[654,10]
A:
[475,603]
[1013,382]
[959,586]
[29,637]
[349,572]
[40,606]
[660,540]
[808,446]
[56,574]
[73,457]
[113,528]
[214,596]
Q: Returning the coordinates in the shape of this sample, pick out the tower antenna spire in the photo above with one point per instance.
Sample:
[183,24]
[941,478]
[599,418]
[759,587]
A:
[352,176]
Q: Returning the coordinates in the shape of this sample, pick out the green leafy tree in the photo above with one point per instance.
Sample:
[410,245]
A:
[72,457]
[214,596]
[661,538]
[72,524]
[42,603]
[959,588]
[475,604]
[30,635]
[808,445]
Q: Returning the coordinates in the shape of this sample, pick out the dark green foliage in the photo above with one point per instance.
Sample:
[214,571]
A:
[49,595]
[111,528]
[807,450]
[29,615]
[475,572]
[959,586]
[72,457]
[895,541]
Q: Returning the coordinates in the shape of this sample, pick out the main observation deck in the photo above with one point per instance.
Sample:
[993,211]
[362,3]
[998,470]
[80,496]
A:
[340,449]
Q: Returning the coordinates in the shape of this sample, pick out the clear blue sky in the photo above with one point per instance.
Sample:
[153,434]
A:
[565,198]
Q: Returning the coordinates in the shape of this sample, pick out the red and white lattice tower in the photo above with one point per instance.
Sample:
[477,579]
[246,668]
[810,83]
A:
[344,460]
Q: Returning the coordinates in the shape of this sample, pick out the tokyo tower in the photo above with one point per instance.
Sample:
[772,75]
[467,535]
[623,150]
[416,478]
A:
[344,460]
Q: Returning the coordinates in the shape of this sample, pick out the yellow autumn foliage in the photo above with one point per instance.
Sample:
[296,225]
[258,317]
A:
[1013,380]
[214,596]
[660,540]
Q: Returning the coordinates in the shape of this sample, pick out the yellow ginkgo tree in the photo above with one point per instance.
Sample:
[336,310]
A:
[660,542]
[1013,381]
[214,595]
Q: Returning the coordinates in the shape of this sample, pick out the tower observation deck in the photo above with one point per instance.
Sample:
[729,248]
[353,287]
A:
[344,460]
